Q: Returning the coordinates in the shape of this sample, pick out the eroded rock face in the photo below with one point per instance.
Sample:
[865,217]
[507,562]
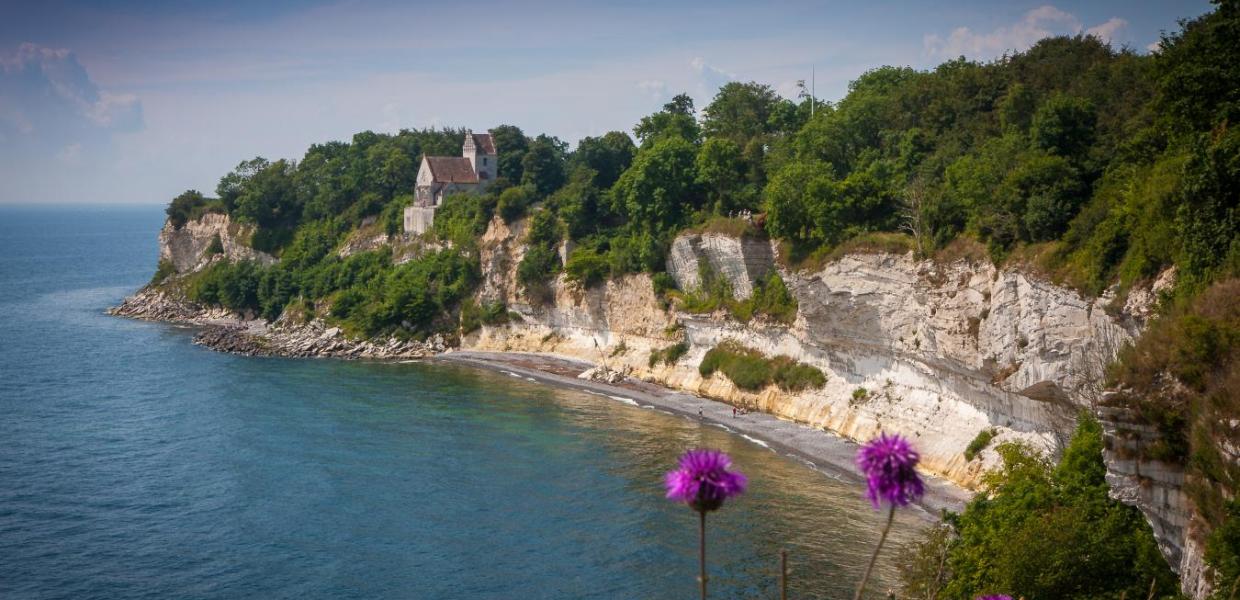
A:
[186,247]
[942,351]
[1157,489]
[740,261]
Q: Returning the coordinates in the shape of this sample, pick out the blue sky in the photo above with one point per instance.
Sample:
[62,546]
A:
[135,102]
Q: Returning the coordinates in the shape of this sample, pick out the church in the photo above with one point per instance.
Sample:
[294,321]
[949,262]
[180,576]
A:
[442,176]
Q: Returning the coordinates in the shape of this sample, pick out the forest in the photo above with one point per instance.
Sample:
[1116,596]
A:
[1093,166]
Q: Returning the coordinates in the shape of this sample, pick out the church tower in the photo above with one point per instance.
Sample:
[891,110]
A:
[479,148]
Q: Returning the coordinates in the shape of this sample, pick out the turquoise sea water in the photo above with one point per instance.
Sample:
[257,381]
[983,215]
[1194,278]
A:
[134,464]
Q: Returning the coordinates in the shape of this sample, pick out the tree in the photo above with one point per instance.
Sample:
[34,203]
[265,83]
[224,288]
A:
[1199,69]
[788,209]
[511,144]
[580,204]
[183,207]
[658,191]
[608,156]
[514,201]
[1064,125]
[543,165]
[675,120]
[740,111]
[913,209]
[1048,532]
[720,171]
[1052,194]
[267,198]
[393,170]
[1017,107]
[232,184]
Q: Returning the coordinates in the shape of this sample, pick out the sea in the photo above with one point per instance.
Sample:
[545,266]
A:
[134,464]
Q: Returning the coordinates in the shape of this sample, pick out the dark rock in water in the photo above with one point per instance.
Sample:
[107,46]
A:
[235,340]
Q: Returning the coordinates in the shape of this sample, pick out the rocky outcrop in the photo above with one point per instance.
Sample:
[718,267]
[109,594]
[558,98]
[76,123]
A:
[1156,488]
[738,260]
[154,304]
[227,331]
[186,247]
[311,340]
[939,352]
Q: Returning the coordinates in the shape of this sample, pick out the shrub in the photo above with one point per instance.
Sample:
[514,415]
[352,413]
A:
[792,376]
[586,267]
[979,443]
[463,218]
[216,246]
[514,201]
[537,266]
[1044,531]
[750,370]
[669,355]
[190,206]
[165,270]
[859,394]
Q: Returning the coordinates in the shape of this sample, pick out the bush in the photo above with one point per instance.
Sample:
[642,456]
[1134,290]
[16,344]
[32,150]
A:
[463,218]
[979,443]
[792,376]
[669,355]
[474,316]
[513,202]
[750,370]
[165,270]
[1044,531]
[216,246]
[190,206]
[231,285]
[586,267]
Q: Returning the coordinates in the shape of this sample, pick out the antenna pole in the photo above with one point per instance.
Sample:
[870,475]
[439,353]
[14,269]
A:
[813,83]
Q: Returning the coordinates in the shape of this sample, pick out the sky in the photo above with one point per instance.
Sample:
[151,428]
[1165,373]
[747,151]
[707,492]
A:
[136,101]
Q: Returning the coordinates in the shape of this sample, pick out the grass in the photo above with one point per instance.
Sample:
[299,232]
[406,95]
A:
[668,355]
[734,227]
[162,272]
[751,370]
[979,443]
[770,298]
[814,259]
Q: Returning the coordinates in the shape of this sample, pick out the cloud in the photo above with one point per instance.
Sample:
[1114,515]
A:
[1044,21]
[656,88]
[45,92]
[709,79]
[1108,30]
[70,154]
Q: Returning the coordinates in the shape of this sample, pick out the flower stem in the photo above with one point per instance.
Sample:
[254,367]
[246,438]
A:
[891,515]
[702,553]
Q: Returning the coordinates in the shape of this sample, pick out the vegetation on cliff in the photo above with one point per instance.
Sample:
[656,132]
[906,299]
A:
[751,370]
[1048,531]
[1092,164]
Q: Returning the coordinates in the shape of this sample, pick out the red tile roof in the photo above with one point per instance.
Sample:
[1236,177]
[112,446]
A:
[485,144]
[451,169]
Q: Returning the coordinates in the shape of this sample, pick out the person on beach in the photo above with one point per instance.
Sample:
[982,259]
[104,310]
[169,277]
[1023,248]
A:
[733,412]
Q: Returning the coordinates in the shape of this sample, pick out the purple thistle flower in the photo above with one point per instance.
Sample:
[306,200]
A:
[703,480]
[888,463]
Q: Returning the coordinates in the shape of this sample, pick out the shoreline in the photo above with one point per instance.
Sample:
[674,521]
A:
[823,451]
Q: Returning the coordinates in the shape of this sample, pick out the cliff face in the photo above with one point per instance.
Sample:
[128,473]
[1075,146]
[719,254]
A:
[942,351]
[186,247]
[1157,488]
